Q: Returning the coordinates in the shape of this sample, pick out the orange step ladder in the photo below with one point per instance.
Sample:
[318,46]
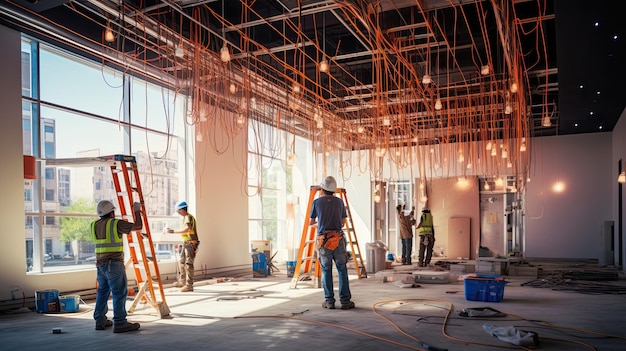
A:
[307,264]
[128,190]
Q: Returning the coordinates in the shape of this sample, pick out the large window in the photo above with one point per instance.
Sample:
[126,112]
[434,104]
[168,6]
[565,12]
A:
[73,109]
[274,185]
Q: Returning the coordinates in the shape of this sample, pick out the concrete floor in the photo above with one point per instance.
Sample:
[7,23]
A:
[263,313]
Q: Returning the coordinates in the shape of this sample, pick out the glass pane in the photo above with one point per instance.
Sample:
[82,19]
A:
[254,205]
[157,160]
[155,107]
[85,86]
[74,135]
[68,242]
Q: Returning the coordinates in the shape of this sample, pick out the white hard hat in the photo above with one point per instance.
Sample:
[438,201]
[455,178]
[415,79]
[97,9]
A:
[105,207]
[329,184]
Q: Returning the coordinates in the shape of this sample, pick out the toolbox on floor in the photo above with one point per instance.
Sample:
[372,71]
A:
[484,288]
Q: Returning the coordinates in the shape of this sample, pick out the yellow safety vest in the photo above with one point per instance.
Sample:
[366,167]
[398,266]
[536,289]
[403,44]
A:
[112,242]
[427,224]
[192,233]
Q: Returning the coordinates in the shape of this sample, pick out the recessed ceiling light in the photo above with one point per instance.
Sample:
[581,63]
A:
[581,86]
[596,24]
[600,127]
[591,113]
[615,37]
[598,92]
[575,124]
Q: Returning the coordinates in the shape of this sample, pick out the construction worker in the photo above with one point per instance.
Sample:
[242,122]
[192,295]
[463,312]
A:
[426,232]
[328,213]
[406,233]
[107,233]
[189,248]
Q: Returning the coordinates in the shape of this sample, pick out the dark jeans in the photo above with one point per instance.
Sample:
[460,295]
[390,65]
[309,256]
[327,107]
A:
[340,256]
[427,247]
[407,248]
[111,281]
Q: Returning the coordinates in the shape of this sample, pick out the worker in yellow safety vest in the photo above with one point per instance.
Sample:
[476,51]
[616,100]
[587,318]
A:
[426,232]
[107,233]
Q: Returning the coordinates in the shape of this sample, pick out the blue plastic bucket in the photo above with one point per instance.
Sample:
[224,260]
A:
[69,303]
[291,268]
[47,301]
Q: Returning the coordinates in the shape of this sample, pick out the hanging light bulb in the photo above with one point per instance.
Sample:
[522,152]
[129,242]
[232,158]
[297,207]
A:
[360,129]
[488,146]
[509,165]
[380,151]
[426,79]
[461,158]
[499,182]
[241,119]
[109,37]
[504,153]
[438,104]
[522,148]
[199,137]
[296,88]
[622,177]
[232,88]
[484,70]
[386,121]
[494,152]
[225,54]
[507,109]
[324,66]
[377,196]
[290,159]
[545,121]
[487,187]
[513,87]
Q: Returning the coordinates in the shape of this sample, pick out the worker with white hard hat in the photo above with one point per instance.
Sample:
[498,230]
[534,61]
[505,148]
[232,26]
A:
[328,212]
[111,277]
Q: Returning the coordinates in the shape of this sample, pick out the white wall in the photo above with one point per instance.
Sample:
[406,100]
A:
[222,204]
[567,224]
[619,153]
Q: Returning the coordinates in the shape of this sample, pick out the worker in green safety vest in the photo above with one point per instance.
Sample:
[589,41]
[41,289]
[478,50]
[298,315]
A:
[426,232]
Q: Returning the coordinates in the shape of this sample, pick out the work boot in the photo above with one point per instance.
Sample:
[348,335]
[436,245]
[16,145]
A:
[330,306]
[179,284]
[347,305]
[126,327]
[107,324]
[186,288]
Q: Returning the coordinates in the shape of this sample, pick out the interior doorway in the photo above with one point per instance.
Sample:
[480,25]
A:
[501,217]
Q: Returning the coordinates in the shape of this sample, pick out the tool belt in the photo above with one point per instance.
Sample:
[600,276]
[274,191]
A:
[329,240]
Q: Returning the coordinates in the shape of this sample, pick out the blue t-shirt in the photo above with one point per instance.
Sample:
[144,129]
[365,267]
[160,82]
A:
[330,212]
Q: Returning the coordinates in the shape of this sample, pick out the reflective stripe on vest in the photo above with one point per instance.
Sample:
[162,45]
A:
[427,224]
[112,242]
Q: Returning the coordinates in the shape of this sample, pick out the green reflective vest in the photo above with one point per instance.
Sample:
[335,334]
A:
[427,224]
[112,242]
